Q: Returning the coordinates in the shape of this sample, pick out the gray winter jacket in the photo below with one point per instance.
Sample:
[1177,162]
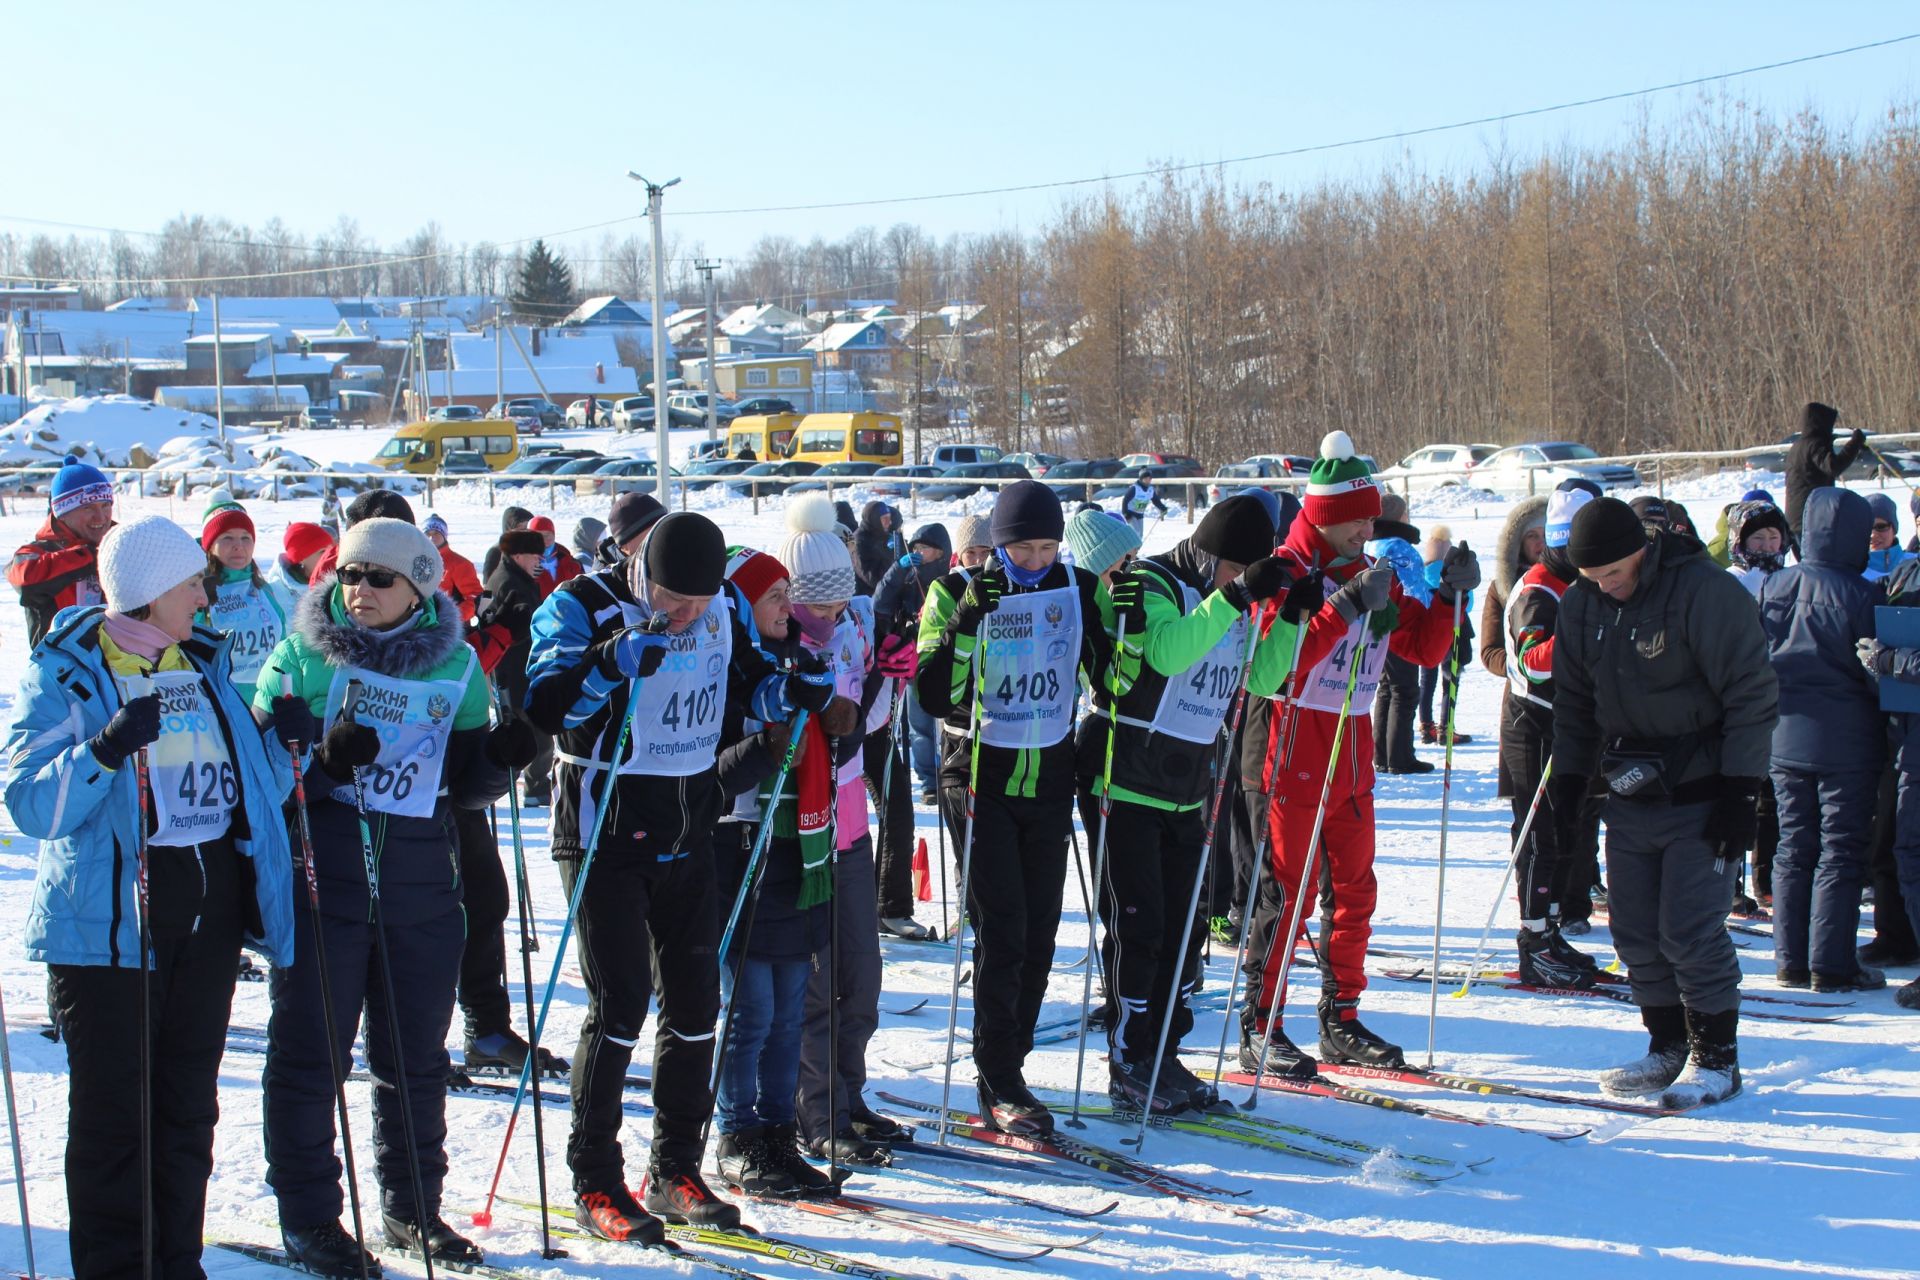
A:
[1683,658]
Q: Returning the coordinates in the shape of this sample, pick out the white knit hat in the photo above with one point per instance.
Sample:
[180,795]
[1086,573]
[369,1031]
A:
[816,558]
[393,544]
[142,560]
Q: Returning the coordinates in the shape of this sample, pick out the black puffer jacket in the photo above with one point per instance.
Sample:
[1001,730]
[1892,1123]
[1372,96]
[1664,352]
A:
[1813,462]
[1682,659]
[873,543]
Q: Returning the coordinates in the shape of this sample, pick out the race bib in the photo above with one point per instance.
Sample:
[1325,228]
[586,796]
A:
[190,774]
[248,614]
[414,719]
[1032,650]
[1326,687]
[1195,703]
[675,712]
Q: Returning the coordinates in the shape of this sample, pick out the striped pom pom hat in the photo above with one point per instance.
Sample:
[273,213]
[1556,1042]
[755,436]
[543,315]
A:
[1340,487]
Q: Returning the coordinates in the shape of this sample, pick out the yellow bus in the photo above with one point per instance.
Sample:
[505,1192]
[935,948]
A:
[768,435]
[848,437]
[420,448]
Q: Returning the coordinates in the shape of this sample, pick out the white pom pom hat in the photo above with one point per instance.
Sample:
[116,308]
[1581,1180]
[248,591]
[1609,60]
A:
[815,555]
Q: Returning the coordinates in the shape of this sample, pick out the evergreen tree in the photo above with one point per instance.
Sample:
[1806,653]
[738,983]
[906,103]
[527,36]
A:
[544,290]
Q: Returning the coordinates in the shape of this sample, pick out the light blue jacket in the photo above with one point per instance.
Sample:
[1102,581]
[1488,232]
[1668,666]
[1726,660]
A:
[85,894]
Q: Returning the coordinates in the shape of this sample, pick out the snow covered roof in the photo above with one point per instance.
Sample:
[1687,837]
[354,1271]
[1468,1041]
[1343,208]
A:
[762,315]
[288,365]
[113,333]
[848,333]
[558,348]
[611,309]
[561,381]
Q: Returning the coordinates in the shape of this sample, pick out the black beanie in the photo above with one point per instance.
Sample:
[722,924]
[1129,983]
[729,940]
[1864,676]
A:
[686,553]
[632,512]
[1027,510]
[381,503]
[1817,419]
[1236,529]
[1604,531]
[1652,511]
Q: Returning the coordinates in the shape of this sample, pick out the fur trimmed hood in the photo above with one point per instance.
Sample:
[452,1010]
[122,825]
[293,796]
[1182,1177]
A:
[429,639]
[1528,513]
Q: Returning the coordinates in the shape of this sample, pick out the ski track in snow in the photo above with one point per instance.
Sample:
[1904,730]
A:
[1807,1172]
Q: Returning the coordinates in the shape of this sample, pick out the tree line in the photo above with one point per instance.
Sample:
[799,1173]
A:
[1686,288]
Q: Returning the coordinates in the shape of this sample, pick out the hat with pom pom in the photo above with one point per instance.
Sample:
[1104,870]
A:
[78,484]
[1340,487]
[816,558]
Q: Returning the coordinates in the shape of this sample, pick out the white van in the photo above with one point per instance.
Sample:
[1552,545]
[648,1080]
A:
[954,455]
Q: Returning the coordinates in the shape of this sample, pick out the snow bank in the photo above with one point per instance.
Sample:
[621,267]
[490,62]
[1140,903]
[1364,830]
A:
[112,431]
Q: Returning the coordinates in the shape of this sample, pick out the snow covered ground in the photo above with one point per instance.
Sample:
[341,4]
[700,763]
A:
[1807,1172]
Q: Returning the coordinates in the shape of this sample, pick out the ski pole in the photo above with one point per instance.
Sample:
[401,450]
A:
[485,1216]
[1260,856]
[144,795]
[766,830]
[13,1131]
[326,984]
[547,1247]
[1480,948]
[1086,898]
[833,968]
[1308,863]
[1446,798]
[402,1088]
[1139,1140]
[966,864]
[1099,873]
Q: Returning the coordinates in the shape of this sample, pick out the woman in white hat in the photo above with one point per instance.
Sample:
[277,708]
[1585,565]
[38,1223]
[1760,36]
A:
[156,800]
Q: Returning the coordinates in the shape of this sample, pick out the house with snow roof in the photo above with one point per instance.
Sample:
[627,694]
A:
[864,346]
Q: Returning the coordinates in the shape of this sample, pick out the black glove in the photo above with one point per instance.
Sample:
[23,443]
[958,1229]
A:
[1304,599]
[511,744]
[133,726]
[516,617]
[293,723]
[1566,792]
[981,598]
[1366,592]
[1459,573]
[1734,821]
[1857,439]
[810,684]
[1129,596]
[347,747]
[1264,579]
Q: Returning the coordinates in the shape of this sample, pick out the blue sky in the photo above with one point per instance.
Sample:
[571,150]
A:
[390,113]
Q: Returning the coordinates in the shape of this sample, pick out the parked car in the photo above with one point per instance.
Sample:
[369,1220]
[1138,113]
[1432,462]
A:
[839,472]
[545,414]
[1264,469]
[1162,460]
[954,455]
[707,473]
[617,476]
[964,480]
[602,412]
[1165,479]
[763,479]
[1773,460]
[695,402]
[764,406]
[464,462]
[1290,464]
[1438,466]
[1550,462]
[1076,479]
[1037,464]
[581,466]
[527,469]
[632,413]
[715,448]
[314,418]
[886,481]
[455,413]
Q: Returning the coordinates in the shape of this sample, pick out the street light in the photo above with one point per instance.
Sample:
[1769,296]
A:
[661,470]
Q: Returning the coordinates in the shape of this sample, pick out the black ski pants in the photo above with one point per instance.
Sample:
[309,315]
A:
[893,832]
[483,884]
[852,970]
[644,923]
[1394,708]
[98,1008]
[1017,874]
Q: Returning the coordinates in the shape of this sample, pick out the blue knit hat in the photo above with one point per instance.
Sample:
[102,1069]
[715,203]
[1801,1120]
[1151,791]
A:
[1883,509]
[78,485]
[1099,540]
[1758,495]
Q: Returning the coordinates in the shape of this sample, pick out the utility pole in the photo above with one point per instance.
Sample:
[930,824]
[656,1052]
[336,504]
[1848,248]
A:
[219,379]
[660,469]
[706,267]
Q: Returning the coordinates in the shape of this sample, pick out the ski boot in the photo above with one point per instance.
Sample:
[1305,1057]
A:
[1127,1084]
[1542,965]
[1863,978]
[505,1052]
[612,1213]
[1284,1059]
[782,1145]
[1201,1096]
[674,1190]
[1008,1106]
[329,1251]
[905,927]
[1666,1054]
[444,1244]
[1712,1072]
[748,1167]
[848,1148]
[1344,1038]
[874,1127]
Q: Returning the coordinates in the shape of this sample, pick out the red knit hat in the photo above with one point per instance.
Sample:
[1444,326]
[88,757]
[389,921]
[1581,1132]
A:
[224,520]
[302,540]
[1340,486]
[540,524]
[754,572]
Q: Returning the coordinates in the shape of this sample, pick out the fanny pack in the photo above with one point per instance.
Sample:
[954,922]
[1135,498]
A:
[1645,769]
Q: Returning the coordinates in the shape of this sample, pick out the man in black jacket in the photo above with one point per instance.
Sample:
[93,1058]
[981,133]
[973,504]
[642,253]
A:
[1662,686]
[1813,462]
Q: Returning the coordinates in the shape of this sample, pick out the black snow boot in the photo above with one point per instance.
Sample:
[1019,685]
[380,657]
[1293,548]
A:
[1284,1058]
[744,1164]
[328,1250]
[505,1051]
[1666,1054]
[611,1213]
[1009,1107]
[1201,1096]
[674,1190]
[1128,1083]
[1542,966]
[848,1147]
[444,1244]
[1344,1038]
[1712,1072]
[874,1127]
[782,1144]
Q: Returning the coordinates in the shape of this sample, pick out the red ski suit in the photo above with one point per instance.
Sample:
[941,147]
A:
[1319,685]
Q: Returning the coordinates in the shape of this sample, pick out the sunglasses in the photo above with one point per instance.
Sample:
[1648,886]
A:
[1881,526]
[378,579]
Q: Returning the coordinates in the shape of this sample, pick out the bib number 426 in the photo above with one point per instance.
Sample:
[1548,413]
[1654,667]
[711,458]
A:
[208,785]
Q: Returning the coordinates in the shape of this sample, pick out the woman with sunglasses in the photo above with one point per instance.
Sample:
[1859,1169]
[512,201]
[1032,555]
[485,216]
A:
[376,653]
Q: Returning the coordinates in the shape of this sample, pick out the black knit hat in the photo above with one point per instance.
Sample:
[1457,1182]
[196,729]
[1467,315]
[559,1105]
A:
[632,512]
[1817,419]
[1027,510]
[1237,529]
[1652,511]
[379,503]
[686,553]
[522,542]
[1604,531]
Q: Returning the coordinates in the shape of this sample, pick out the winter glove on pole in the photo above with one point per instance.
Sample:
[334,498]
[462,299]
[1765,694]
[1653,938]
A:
[981,598]
[1129,596]
[810,685]
[1366,592]
[635,653]
[1459,573]
[1264,579]
[511,744]
[135,725]
[293,722]
[1304,599]
[348,746]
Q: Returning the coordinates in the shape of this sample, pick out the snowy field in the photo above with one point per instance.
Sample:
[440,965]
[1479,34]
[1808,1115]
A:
[1805,1173]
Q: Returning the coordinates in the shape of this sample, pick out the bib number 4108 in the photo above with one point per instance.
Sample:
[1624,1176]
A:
[1029,686]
